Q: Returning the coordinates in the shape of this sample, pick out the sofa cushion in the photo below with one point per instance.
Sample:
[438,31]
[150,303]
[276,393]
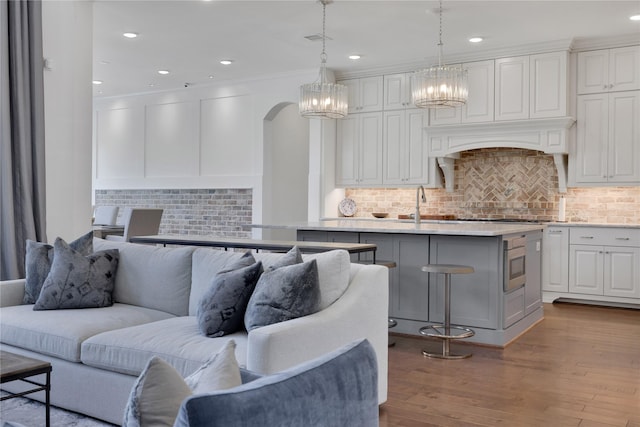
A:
[146,270]
[38,259]
[206,264]
[78,281]
[283,294]
[40,331]
[177,340]
[222,307]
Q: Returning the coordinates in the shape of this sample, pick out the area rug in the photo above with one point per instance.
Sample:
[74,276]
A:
[31,413]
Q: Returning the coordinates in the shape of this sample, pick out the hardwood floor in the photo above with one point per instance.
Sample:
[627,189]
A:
[580,366]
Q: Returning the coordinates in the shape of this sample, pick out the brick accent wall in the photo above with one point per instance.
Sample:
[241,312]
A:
[220,212]
[499,183]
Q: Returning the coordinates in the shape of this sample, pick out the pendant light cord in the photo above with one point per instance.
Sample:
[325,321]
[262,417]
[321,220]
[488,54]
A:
[440,38]
[323,55]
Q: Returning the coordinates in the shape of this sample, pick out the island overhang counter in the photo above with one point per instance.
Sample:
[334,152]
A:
[480,300]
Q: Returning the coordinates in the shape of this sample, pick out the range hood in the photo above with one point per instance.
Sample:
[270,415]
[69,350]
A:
[550,136]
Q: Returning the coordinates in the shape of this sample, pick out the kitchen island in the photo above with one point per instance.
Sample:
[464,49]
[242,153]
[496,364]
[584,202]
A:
[479,300]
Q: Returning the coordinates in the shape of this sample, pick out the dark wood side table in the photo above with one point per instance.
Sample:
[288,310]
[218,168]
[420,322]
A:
[15,367]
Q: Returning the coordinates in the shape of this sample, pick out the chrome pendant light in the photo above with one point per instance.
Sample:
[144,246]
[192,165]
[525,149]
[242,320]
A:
[322,99]
[442,86]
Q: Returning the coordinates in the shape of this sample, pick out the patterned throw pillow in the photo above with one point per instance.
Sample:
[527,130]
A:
[221,309]
[283,294]
[38,259]
[78,281]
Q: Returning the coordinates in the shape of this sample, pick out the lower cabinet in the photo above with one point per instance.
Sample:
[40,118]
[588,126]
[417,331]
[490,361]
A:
[408,285]
[592,263]
[555,268]
[533,268]
[475,297]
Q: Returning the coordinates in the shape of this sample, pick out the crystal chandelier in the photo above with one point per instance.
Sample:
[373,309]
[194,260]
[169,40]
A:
[442,86]
[322,99]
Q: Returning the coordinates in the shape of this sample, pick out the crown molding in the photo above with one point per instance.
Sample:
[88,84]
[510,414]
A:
[528,49]
[582,44]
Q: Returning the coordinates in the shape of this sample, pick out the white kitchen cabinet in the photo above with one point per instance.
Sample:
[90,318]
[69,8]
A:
[609,70]
[533,269]
[605,261]
[359,150]
[555,267]
[480,104]
[548,85]
[397,91]
[406,161]
[608,131]
[365,94]
[512,88]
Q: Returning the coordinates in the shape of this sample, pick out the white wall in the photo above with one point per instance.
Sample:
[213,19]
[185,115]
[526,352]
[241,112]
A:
[285,171]
[67,44]
[201,137]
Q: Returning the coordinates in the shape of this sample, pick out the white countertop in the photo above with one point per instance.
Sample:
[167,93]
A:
[591,224]
[409,227]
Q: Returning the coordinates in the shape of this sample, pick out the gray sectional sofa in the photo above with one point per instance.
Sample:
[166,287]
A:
[97,353]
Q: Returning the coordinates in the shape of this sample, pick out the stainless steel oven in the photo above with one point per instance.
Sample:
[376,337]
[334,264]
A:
[515,251]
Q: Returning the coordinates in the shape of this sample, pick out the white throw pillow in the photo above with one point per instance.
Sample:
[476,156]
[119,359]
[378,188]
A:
[334,268]
[218,373]
[156,396]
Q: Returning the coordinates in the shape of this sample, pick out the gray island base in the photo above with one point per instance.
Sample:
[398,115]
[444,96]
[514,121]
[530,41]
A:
[480,300]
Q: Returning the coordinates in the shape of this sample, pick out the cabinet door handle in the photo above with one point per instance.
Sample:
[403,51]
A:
[586,237]
[622,238]
[555,231]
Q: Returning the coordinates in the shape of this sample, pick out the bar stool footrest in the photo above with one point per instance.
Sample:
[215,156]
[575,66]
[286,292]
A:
[434,332]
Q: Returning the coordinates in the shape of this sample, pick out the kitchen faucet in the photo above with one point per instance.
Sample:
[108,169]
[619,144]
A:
[424,200]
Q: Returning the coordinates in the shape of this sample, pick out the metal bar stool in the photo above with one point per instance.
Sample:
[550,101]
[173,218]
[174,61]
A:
[444,331]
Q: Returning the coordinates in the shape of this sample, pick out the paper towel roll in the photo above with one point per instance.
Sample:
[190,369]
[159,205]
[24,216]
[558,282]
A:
[562,210]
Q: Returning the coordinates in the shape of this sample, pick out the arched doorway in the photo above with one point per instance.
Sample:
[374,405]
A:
[285,170]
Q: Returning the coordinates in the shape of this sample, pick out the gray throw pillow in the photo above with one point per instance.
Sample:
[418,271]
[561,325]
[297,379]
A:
[284,294]
[78,281]
[221,309]
[38,259]
[290,258]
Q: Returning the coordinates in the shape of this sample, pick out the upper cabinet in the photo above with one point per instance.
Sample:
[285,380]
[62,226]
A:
[397,91]
[405,158]
[608,118]
[515,88]
[479,106]
[359,150]
[548,76]
[365,94]
[512,88]
[607,148]
[609,70]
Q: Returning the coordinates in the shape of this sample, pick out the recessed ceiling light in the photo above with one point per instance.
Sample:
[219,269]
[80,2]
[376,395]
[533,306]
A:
[226,62]
[211,76]
[635,17]
[354,57]
[97,82]
[163,72]
[130,35]
[476,39]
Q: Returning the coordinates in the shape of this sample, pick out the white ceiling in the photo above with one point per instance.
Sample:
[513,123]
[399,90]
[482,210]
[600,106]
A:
[264,37]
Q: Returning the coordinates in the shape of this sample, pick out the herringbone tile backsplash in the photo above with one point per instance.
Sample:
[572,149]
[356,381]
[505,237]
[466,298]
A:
[500,183]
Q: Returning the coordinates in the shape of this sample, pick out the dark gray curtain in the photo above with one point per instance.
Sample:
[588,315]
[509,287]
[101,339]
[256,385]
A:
[22,163]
